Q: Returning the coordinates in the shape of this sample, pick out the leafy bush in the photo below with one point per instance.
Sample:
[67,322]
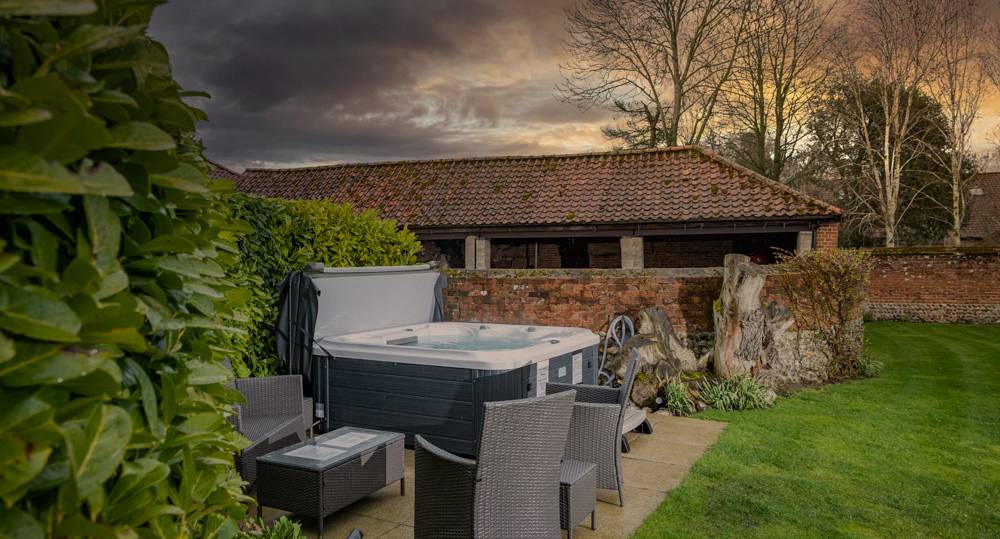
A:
[731,394]
[869,367]
[284,236]
[676,398]
[283,528]
[112,286]
[825,291]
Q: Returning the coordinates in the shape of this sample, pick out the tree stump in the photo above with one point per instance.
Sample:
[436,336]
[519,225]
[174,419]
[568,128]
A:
[743,331]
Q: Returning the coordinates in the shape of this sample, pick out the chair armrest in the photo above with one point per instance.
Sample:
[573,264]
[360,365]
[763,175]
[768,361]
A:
[272,395]
[439,453]
[587,392]
[445,486]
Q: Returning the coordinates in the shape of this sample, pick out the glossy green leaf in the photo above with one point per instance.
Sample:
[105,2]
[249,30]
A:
[20,462]
[47,7]
[16,524]
[33,203]
[104,231]
[140,136]
[30,173]
[138,476]
[183,178]
[115,97]
[65,138]
[37,313]
[168,243]
[21,410]
[48,364]
[147,394]
[182,265]
[105,380]
[43,247]
[96,445]
[87,38]
[7,349]
[103,179]
[207,373]
[10,118]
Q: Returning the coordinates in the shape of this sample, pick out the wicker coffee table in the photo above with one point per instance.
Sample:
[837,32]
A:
[321,476]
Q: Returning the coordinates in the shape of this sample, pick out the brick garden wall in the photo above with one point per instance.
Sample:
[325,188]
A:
[585,298]
[936,285]
[920,285]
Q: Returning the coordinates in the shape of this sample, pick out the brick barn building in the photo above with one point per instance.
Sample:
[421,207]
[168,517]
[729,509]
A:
[659,208]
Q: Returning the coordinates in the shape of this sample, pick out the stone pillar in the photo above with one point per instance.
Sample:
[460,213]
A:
[632,252]
[482,253]
[470,252]
[804,242]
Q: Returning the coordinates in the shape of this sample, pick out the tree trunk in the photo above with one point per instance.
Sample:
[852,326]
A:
[743,336]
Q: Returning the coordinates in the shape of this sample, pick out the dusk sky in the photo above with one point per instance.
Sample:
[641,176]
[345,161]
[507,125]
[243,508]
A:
[311,82]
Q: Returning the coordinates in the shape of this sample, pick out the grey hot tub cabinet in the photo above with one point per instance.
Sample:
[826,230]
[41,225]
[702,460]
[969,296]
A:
[442,404]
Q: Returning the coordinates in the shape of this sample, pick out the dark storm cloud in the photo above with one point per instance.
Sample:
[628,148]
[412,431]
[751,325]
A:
[310,81]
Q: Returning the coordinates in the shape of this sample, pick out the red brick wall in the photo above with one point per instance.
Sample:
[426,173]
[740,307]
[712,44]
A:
[936,285]
[827,236]
[932,286]
[585,298]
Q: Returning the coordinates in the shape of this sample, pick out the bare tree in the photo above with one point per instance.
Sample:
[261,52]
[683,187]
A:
[891,44]
[660,64]
[778,71]
[614,63]
[959,84]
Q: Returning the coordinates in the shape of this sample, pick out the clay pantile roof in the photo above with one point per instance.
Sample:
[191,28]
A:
[686,183]
[221,172]
[983,222]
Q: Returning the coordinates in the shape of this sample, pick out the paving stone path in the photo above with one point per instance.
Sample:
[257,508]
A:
[657,463]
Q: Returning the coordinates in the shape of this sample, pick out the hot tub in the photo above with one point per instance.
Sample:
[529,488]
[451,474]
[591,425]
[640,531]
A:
[416,376]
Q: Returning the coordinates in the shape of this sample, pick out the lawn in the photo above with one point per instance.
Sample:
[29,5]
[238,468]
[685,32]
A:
[912,453]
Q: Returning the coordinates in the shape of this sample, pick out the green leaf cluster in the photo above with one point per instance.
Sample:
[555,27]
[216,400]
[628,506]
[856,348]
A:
[114,300]
[282,236]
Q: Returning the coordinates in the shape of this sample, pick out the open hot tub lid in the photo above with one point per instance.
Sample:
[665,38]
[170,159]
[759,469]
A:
[352,300]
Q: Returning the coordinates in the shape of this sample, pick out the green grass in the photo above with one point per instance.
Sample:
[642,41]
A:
[912,453]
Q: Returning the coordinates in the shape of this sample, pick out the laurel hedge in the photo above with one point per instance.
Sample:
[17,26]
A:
[284,236]
[114,297]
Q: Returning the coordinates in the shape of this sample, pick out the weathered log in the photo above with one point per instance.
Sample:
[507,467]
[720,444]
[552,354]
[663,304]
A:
[654,368]
[654,322]
[743,331]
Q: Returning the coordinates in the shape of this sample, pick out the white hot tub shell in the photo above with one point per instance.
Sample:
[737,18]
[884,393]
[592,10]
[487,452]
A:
[383,363]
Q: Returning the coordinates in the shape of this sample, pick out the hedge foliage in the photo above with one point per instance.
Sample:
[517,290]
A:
[285,236]
[113,290]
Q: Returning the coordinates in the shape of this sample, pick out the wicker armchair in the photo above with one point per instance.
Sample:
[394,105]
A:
[512,490]
[272,418]
[595,433]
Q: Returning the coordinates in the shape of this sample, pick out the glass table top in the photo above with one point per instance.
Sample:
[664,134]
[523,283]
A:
[330,449]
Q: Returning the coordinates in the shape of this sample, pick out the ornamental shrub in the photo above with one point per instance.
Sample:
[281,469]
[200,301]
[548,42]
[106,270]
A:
[285,235]
[825,291]
[113,288]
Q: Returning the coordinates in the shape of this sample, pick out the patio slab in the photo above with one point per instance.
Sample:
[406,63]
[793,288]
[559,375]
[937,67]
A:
[657,463]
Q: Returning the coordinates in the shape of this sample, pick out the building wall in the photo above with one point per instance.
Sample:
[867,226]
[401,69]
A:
[936,285]
[827,236]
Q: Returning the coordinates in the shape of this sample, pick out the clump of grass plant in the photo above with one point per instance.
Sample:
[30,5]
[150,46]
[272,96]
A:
[676,398]
[732,394]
